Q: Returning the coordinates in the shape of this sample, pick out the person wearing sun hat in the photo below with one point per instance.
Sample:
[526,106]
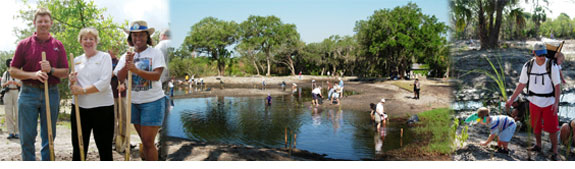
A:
[148,99]
[541,77]
[380,115]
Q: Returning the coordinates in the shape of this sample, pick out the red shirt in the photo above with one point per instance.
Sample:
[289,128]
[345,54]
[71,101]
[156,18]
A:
[29,53]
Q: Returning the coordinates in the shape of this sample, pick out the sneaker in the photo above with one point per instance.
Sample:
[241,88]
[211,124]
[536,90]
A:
[555,157]
[16,136]
[535,148]
[10,136]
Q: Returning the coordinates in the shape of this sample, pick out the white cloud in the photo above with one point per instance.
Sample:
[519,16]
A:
[556,6]
[8,10]
[155,12]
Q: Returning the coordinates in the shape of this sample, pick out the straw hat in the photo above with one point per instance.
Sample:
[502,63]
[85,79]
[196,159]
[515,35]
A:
[139,26]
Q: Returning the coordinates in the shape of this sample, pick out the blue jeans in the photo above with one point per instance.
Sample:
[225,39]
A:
[149,114]
[31,103]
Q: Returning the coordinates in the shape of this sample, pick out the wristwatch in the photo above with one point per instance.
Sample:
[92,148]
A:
[51,71]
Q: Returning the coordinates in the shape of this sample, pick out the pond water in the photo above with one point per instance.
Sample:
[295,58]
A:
[566,106]
[338,133]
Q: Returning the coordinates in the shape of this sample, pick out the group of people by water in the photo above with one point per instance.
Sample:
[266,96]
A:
[98,83]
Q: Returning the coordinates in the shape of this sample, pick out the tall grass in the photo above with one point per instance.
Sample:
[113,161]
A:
[437,124]
[496,74]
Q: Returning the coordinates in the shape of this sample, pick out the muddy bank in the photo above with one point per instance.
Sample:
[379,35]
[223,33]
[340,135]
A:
[185,150]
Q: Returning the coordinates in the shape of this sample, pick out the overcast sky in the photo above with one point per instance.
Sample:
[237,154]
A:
[155,12]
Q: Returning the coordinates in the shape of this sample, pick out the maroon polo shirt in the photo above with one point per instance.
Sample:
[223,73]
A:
[29,53]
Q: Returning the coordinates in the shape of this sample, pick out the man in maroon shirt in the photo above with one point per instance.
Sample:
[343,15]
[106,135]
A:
[28,66]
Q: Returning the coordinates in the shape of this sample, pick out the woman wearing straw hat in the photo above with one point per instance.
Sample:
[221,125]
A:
[148,101]
[90,82]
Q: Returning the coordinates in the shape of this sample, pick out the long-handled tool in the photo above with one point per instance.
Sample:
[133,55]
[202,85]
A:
[78,122]
[128,111]
[48,115]
[121,132]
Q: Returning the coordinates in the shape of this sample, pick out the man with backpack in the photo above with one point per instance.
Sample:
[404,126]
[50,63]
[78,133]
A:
[541,77]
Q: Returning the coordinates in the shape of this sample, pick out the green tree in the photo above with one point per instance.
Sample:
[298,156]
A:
[267,33]
[212,37]
[391,40]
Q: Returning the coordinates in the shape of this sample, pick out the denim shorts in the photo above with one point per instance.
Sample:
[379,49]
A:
[149,114]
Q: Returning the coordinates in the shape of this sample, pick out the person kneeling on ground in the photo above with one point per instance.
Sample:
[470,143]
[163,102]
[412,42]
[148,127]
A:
[501,125]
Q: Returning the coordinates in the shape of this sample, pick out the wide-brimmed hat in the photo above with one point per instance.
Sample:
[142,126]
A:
[139,26]
[539,48]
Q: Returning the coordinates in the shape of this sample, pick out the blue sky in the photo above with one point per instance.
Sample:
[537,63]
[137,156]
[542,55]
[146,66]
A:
[315,19]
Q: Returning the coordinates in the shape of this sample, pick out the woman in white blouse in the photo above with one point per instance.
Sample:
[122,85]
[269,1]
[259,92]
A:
[91,84]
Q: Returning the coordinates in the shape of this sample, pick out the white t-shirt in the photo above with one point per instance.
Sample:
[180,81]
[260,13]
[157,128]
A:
[145,91]
[379,108]
[6,79]
[163,47]
[97,71]
[499,123]
[316,91]
[536,83]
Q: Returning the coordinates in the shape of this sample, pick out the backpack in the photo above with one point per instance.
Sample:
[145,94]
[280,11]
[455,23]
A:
[548,72]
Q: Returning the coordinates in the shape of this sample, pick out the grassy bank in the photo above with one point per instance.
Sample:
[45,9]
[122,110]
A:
[406,85]
[436,128]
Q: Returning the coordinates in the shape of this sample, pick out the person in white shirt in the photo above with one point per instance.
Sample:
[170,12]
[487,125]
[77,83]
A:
[541,77]
[316,95]
[11,86]
[163,46]
[90,82]
[148,98]
[380,115]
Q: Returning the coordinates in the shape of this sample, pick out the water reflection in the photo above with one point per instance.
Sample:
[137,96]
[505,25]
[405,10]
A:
[339,133]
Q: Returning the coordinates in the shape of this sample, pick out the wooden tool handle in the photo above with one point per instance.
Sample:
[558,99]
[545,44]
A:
[48,115]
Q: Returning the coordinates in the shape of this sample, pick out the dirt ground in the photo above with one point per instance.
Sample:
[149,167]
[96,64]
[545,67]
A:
[11,150]
[473,151]
[183,150]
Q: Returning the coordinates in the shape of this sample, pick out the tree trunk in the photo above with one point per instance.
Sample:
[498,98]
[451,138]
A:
[256,66]
[291,65]
[494,32]
[268,63]
[482,30]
